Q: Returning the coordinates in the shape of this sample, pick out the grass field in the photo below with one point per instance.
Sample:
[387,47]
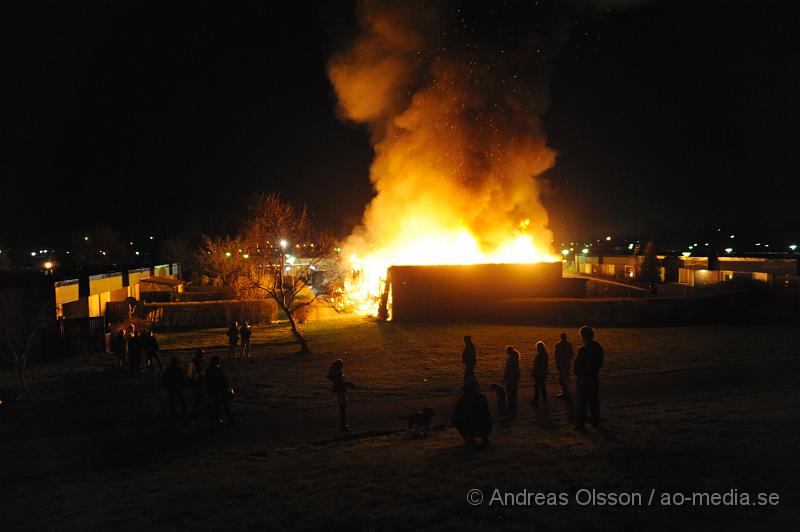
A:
[743,438]
[398,483]
[388,361]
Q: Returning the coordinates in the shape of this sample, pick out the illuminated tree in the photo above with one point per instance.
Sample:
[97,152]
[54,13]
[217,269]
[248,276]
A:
[286,259]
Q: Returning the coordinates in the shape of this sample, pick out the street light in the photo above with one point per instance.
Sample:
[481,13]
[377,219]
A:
[284,243]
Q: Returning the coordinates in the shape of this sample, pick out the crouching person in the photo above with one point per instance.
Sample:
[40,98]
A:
[472,417]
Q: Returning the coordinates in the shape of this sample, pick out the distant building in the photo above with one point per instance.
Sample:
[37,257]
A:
[89,296]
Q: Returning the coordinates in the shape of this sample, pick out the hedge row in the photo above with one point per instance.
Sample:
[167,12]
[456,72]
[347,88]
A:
[210,313]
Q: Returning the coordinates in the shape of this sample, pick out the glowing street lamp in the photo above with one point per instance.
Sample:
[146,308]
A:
[793,247]
[585,251]
[565,252]
[284,243]
[48,265]
[728,250]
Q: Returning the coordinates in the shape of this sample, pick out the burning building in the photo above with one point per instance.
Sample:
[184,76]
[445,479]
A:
[464,292]
[459,144]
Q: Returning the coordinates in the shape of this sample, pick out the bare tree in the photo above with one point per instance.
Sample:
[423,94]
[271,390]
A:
[20,331]
[222,258]
[286,259]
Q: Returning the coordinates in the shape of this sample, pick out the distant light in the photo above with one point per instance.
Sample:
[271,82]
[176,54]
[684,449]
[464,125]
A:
[135,252]
[733,236]
[758,243]
[48,265]
[728,250]
[284,243]
[131,243]
[793,247]
[565,252]
[705,244]
[585,251]
[686,253]
[227,253]
[766,245]
[630,246]
[245,256]
[608,237]
[86,238]
[151,237]
[45,251]
[33,253]
[690,247]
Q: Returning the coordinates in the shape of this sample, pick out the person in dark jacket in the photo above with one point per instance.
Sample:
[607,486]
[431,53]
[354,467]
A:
[118,347]
[588,362]
[340,386]
[470,359]
[539,374]
[471,416]
[175,382]
[150,348]
[564,356]
[233,337]
[219,390]
[135,352]
[245,333]
[195,373]
[511,379]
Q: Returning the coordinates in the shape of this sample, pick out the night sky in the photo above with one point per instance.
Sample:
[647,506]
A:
[671,119]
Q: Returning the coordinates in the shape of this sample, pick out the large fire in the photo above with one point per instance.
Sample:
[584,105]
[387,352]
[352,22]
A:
[458,142]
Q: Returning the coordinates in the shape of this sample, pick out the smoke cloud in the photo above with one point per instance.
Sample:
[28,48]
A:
[453,94]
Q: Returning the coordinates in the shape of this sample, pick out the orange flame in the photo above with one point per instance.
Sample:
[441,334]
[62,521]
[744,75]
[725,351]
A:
[458,145]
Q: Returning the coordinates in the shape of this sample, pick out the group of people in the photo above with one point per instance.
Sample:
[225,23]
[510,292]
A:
[472,417]
[135,351]
[208,385]
[239,336]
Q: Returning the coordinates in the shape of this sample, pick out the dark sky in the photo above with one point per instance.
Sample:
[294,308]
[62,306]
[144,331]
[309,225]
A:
[670,118]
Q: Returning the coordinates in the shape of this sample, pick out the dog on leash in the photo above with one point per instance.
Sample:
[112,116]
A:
[419,422]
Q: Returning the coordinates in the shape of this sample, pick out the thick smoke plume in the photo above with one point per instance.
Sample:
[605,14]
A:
[453,95]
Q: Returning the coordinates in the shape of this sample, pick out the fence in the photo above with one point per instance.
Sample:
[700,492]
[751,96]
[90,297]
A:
[90,332]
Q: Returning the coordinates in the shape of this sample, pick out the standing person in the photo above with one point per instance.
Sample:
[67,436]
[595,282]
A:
[471,416]
[470,359]
[564,355]
[340,385]
[539,374]
[219,390]
[135,352]
[174,382]
[588,362]
[118,347]
[150,347]
[245,333]
[195,373]
[233,337]
[511,379]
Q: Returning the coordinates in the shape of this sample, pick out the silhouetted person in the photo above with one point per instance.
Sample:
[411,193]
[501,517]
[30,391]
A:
[219,390]
[500,398]
[471,416]
[511,379]
[150,347]
[470,359]
[195,372]
[340,385]
[245,333]
[539,374]
[588,362]
[175,382]
[135,352]
[118,347]
[233,337]
[564,356]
